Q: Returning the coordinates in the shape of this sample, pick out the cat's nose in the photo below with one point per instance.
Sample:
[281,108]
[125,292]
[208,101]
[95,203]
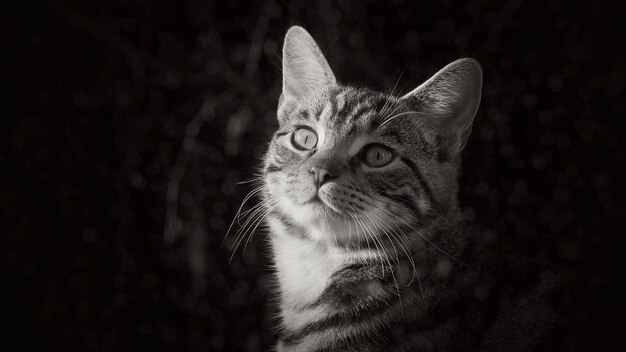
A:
[321,176]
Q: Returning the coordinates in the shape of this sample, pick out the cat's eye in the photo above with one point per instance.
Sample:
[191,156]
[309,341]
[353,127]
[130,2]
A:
[377,155]
[304,138]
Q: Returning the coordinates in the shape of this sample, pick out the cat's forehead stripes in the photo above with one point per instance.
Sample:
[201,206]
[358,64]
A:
[346,106]
[347,110]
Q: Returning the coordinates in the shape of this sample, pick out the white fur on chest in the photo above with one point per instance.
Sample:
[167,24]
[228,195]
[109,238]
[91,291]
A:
[304,267]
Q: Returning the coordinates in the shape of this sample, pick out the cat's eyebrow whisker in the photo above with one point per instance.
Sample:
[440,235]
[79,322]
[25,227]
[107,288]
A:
[393,90]
[386,111]
[398,80]
[400,114]
[390,113]
[383,110]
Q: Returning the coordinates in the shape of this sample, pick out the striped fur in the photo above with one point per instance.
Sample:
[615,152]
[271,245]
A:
[377,258]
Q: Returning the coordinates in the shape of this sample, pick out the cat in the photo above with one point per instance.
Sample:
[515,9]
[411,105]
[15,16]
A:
[367,237]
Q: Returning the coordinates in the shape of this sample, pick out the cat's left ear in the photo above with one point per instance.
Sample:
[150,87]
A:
[448,102]
[305,69]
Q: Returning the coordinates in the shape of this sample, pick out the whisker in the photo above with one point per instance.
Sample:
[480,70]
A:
[425,238]
[404,247]
[250,226]
[237,214]
[250,180]
[408,225]
[240,234]
[390,95]
[382,247]
[352,214]
[367,233]
[245,213]
[377,222]
[250,214]
[258,222]
[401,114]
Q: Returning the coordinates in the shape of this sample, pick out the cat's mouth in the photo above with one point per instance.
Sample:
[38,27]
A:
[315,199]
[318,202]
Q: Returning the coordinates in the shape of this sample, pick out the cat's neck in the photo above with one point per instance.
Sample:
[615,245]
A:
[306,268]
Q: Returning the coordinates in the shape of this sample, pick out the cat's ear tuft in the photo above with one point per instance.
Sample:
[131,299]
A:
[305,70]
[448,102]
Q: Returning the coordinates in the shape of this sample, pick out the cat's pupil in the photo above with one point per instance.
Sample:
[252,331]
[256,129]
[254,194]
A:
[304,139]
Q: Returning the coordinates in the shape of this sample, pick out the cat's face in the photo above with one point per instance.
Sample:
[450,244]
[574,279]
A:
[349,164]
[335,167]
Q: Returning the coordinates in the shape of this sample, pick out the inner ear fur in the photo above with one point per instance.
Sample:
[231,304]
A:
[448,103]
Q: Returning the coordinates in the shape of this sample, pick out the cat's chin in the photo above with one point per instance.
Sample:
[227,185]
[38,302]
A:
[316,213]
[323,221]
[320,211]
[321,206]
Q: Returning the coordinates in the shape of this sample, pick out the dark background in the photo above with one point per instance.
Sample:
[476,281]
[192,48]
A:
[108,106]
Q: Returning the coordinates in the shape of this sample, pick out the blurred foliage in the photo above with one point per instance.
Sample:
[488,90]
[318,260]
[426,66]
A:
[110,104]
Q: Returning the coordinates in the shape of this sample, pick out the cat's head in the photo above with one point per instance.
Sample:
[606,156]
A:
[349,163]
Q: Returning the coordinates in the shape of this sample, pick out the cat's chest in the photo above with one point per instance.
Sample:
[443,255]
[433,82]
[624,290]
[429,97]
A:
[305,267]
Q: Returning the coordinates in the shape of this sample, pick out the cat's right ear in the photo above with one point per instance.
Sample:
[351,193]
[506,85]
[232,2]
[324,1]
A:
[305,70]
[448,102]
